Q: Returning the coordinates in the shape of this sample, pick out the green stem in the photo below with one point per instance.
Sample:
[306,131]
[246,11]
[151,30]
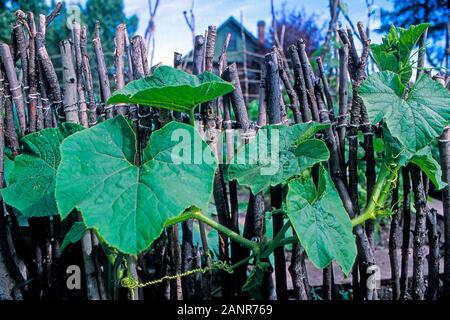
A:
[117,275]
[276,240]
[192,117]
[243,261]
[197,214]
[252,245]
[380,192]
[288,240]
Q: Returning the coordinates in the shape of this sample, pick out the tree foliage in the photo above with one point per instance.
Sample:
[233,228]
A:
[109,13]
[298,24]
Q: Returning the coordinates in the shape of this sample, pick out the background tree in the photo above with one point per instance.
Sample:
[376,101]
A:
[55,34]
[406,13]
[296,24]
[110,14]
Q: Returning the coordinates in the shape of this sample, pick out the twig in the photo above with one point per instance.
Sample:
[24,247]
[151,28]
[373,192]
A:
[70,83]
[299,85]
[273,95]
[306,67]
[55,12]
[394,236]
[433,255]
[102,72]
[81,89]
[14,86]
[87,75]
[293,98]
[48,73]
[119,54]
[418,284]
[406,233]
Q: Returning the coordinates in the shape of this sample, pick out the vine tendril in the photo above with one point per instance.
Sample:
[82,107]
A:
[132,283]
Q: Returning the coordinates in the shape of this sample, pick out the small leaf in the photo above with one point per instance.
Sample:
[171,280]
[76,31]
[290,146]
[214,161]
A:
[415,120]
[394,53]
[31,182]
[254,280]
[129,205]
[276,154]
[172,89]
[423,158]
[74,235]
[310,152]
[385,60]
[322,226]
[409,38]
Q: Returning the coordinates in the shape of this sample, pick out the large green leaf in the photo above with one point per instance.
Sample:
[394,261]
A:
[322,224]
[127,204]
[415,120]
[276,154]
[31,179]
[172,89]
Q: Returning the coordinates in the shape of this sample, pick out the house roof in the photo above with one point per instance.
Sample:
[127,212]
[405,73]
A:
[233,20]
[235,24]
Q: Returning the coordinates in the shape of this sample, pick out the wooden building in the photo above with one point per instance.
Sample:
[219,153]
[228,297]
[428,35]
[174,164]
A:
[245,49]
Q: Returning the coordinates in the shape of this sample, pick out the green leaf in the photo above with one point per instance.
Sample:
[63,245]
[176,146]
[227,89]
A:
[310,152]
[384,60]
[129,205]
[409,38]
[415,120]
[423,158]
[394,53]
[31,182]
[276,154]
[74,235]
[322,225]
[172,89]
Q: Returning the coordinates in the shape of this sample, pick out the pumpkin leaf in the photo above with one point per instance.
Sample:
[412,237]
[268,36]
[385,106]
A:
[276,154]
[31,177]
[415,120]
[322,225]
[127,204]
[172,89]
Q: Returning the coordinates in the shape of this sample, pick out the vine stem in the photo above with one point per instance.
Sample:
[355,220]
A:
[386,178]
[276,240]
[197,214]
[192,117]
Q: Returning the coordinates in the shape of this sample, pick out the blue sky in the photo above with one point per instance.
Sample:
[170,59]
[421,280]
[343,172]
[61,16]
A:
[172,33]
